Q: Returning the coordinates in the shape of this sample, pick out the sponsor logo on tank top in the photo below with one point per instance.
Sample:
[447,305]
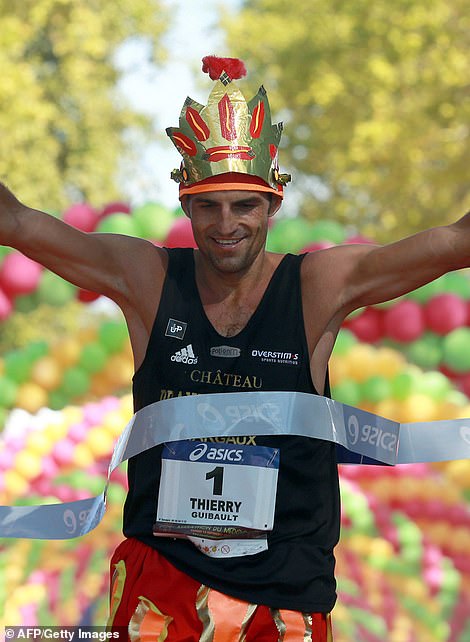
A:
[225,351]
[185,355]
[175,329]
[273,356]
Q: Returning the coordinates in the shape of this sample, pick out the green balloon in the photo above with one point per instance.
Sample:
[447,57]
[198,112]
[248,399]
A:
[113,335]
[26,303]
[75,382]
[54,290]
[458,283]
[426,292]
[434,384]
[153,220]
[57,400]
[376,388]
[8,392]
[344,342]
[331,231]
[347,392]
[456,350]
[118,223]
[289,235]
[426,352]
[17,366]
[93,358]
[37,349]
[402,385]
[4,251]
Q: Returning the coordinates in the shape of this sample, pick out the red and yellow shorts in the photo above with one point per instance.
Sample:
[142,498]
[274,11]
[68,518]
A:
[156,603]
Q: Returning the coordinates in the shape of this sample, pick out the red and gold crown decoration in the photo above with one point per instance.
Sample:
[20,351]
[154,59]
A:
[228,136]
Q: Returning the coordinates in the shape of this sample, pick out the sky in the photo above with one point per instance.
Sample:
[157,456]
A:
[160,92]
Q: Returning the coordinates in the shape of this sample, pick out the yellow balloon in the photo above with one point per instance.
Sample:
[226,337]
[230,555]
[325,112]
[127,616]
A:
[418,407]
[361,362]
[39,442]
[100,442]
[389,362]
[47,373]
[15,484]
[28,464]
[82,456]
[67,352]
[31,397]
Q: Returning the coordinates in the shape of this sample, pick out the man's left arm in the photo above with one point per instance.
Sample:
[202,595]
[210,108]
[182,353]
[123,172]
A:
[381,273]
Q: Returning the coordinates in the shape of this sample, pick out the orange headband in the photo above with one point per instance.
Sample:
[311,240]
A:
[230,181]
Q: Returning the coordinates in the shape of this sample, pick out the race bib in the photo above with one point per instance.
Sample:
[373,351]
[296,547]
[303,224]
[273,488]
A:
[219,496]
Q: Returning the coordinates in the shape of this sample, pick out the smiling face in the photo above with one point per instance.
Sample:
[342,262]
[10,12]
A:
[230,227]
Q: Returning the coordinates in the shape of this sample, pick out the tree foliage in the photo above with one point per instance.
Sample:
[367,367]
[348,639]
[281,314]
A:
[376,102]
[62,121]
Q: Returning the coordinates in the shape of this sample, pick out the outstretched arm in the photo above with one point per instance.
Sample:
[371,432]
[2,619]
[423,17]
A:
[383,273]
[104,263]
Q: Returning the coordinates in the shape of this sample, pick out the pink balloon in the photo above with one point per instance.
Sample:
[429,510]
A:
[359,240]
[115,207]
[404,321]
[6,306]
[19,274]
[180,234]
[368,325]
[445,312]
[82,216]
[312,247]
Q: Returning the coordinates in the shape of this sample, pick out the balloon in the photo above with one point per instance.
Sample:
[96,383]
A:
[31,397]
[54,290]
[458,283]
[115,207]
[46,372]
[344,342]
[347,392]
[289,235]
[313,247]
[6,306]
[327,230]
[180,234]
[445,312]
[8,392]
[404,322]
[153,220]
[87,296]
[93,358]
[424,293]
[113,336]
[19,274]
[375,389]
[17,366]
[118,224]
[426,352]
[82,216]
[368,325]
[75,382]
[456,350]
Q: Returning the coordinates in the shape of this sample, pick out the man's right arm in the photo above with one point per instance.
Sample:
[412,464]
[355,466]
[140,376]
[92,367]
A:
[105,263]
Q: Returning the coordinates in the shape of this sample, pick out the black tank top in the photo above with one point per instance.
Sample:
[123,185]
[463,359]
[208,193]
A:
[186,355]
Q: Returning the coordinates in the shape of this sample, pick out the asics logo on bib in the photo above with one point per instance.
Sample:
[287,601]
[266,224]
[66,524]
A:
[372,435]
[215,454]
[185,355]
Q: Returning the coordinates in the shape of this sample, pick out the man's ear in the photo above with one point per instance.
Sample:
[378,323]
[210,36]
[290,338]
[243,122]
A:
[185,205]
[276,202]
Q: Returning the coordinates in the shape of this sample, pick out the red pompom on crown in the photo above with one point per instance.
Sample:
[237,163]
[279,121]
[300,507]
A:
[214,66]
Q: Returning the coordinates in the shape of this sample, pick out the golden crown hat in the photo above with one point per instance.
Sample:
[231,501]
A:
[229,143]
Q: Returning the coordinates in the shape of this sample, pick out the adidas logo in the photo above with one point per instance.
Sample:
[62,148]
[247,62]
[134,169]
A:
[185,355]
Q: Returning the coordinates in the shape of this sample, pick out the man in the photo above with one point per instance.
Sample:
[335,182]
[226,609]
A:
[230,317]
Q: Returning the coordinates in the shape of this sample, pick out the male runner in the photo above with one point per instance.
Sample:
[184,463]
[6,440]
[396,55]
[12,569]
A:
[230,317]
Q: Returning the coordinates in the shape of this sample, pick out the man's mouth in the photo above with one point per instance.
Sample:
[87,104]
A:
[227,242]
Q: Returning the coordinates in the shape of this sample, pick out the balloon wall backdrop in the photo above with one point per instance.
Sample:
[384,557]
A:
[404,559]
